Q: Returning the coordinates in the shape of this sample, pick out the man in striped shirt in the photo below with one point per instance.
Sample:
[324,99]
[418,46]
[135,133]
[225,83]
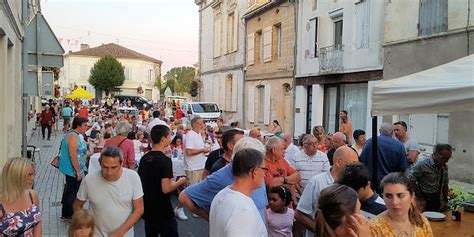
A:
[309,161]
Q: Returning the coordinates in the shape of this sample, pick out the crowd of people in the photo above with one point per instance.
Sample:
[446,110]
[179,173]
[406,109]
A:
[240,181]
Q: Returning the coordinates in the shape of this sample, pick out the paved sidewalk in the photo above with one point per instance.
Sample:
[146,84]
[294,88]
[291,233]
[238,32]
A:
[49,184]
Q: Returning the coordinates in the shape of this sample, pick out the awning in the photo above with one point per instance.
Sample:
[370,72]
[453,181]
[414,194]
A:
[80,93]
[442,89]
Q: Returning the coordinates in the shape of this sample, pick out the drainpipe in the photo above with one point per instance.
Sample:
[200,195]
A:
[295,51]
[24,64]
[244,69]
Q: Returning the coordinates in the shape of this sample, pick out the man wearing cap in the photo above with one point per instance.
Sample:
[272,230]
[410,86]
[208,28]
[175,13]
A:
[411,146]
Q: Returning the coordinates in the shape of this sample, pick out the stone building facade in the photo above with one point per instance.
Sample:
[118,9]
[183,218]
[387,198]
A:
[270,30]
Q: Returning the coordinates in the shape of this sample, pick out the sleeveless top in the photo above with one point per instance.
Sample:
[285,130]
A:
[20,223]
[65,164]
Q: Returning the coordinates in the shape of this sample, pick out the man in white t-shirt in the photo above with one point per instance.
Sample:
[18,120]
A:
[233,213]
[156,121]
[115,196]
[195,150]
[308,204]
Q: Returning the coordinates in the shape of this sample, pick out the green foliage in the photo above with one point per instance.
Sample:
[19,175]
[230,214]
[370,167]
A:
[179,79]
[107,74]
[159,85]
[457,195]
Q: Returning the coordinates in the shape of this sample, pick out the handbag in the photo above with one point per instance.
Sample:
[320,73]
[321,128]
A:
[55,161]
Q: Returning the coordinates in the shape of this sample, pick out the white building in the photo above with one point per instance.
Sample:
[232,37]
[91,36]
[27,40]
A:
[140,70]
[339,53]
[222,53]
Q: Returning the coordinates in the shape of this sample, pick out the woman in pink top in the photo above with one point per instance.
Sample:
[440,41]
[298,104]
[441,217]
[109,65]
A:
[125,144]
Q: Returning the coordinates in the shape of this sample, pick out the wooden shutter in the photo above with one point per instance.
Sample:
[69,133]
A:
[251,104]
[250,49]
[266,105]
[236,30]
[267,44]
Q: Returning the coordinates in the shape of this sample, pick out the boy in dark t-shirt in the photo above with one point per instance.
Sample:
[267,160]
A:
[356,176]
[156,173]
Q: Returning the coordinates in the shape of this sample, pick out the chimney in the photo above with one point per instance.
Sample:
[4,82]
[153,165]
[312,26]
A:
[84,46]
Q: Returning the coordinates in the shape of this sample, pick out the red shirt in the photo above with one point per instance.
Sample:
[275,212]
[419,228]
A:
[178,114]
[280,168]
[84,112]
[46,117]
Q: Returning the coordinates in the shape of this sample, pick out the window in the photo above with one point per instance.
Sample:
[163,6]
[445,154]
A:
[351,97]
[230,32]
[362,24]
[229,92]
[314,37]
[433,17]
[267,44]
[315,5]
[150,74]
[259,49]
[338,33]
[276,41]
[309,109]
[128,73]
[83,72]
[261,103]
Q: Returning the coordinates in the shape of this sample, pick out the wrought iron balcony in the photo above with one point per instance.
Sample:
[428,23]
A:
[330,59]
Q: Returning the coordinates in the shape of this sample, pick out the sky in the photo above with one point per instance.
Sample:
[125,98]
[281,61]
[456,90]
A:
[167,30]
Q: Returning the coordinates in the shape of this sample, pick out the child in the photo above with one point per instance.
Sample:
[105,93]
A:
[82,225]
[279,217]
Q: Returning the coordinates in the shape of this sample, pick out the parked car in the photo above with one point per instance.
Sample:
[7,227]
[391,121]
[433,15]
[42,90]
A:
[137,101]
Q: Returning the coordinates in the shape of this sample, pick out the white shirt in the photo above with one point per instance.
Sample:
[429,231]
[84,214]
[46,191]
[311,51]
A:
[234,214]
[193,140]
[309,166]
[308,203]
[110,202]
[154,122]
[290,151]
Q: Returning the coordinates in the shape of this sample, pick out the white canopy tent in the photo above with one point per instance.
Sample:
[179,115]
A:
[442,89]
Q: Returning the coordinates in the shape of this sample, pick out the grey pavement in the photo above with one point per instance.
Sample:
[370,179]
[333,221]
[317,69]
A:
[50,183]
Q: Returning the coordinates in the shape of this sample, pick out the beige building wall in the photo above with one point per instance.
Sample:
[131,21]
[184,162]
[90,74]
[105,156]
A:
[137,72]
[270,66]
[11,32]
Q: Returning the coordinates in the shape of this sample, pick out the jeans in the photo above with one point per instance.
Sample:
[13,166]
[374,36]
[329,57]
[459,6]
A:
[44,127]
[69,195]
[164,228]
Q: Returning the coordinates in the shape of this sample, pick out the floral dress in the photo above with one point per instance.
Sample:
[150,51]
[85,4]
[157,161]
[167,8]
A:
[380,226]
[20,223]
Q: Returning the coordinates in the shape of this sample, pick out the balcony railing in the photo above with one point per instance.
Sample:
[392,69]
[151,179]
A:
[330,59]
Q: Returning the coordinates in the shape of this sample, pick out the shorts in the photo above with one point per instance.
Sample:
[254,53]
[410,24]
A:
[194,176]
[67,120]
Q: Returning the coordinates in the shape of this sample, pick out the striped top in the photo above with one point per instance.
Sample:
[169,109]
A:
[309,166]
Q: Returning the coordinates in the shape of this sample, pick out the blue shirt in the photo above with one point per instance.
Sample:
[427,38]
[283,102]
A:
[67,112]
[65,164]
[204,192]
[391,156]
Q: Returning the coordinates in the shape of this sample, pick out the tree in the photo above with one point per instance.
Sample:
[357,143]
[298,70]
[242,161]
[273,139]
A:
[180,79]
[107,74]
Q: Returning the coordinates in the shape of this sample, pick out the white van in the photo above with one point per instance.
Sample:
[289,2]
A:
[209,111]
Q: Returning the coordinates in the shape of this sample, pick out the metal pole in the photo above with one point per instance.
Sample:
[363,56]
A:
[24,63]
[375,183]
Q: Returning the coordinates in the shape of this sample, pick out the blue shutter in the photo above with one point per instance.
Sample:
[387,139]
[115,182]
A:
[433,17]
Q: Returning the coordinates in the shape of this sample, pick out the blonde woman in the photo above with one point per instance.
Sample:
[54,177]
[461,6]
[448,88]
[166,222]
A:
[19,204]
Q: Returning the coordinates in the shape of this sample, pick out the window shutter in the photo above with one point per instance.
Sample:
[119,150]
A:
[266,105]
[234,93]
[217,37]
[250,49]
[267,44]
[251,104]
[236,30]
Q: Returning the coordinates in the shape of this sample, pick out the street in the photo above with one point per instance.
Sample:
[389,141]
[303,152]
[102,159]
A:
[50,183]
